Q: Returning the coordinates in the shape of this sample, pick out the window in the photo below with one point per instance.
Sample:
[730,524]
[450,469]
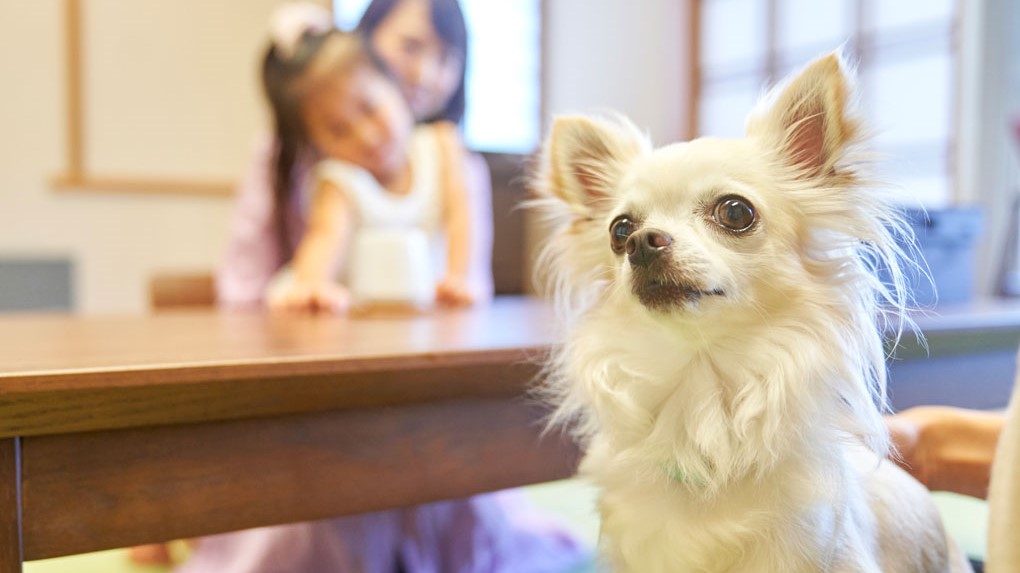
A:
[906,62]
[503,84]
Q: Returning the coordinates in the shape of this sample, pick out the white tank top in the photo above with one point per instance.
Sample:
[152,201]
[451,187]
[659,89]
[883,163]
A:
[375,206]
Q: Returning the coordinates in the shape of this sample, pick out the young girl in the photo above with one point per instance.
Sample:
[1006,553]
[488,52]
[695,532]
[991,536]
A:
[377,171]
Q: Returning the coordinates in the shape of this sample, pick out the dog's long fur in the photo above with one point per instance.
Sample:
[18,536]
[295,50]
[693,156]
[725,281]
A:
[728,395]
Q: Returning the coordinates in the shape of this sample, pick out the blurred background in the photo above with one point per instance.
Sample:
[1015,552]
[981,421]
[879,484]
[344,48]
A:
[126,125]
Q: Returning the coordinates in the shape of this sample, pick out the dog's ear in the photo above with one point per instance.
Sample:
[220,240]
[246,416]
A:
[586,156]
[807,118]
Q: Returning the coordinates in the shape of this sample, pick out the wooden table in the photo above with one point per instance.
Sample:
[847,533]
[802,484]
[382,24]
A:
[123,430]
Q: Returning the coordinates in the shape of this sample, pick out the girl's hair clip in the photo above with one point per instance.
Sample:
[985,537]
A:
[293,20]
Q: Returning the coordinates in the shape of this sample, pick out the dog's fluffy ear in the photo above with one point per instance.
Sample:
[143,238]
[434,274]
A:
[807,118]
[583,160]
[586,156]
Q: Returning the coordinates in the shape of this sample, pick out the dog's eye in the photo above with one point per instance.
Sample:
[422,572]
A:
[620,229]
[734,213]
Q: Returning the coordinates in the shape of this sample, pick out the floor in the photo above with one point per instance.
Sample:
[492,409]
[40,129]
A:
[574,501]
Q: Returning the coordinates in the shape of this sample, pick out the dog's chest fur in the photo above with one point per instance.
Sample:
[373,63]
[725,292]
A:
[786,523]
[687,457]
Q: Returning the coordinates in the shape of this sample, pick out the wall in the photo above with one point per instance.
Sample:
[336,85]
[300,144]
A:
[630,57]
[116,240]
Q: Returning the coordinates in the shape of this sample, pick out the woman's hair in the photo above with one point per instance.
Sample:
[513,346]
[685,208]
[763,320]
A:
[448,21]
[288,72]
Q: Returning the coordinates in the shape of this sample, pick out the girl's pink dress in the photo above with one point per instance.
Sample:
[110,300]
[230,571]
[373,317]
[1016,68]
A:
[491,533]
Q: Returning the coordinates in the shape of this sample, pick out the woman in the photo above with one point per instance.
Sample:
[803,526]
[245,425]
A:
[423,45]
[428,61]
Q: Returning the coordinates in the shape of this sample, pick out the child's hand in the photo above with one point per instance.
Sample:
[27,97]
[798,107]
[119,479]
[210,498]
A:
[453,291]
[310,297]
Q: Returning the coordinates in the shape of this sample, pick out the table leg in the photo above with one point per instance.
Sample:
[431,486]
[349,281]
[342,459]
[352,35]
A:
[10,505]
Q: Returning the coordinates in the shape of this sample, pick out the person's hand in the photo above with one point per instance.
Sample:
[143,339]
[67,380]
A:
[453,291]
[301,296]
[914,441]
[946,449]
[151,554]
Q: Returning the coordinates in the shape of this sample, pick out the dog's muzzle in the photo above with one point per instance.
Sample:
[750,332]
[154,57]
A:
[656,279]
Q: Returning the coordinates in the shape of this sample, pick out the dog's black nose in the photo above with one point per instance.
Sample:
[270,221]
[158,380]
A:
[646,245]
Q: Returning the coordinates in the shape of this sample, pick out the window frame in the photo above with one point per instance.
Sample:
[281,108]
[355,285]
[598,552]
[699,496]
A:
[863,48]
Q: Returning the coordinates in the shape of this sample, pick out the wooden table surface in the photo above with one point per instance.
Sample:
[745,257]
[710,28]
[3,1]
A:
[61,374]
[123,430]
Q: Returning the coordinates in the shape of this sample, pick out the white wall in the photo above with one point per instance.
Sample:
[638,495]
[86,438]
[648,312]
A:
[630,57]
[116,240]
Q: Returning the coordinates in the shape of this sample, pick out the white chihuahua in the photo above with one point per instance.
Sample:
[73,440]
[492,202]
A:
[724,363]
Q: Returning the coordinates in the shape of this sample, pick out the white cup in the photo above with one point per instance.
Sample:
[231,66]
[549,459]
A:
[391,267]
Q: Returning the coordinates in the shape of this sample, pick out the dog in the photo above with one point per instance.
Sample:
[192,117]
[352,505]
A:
[723,364]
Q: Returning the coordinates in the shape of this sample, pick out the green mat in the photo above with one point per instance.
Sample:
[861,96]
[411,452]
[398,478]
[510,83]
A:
[115,561]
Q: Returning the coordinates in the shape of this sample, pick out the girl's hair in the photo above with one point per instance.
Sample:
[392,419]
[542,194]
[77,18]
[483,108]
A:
[448,21]
[287,75]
